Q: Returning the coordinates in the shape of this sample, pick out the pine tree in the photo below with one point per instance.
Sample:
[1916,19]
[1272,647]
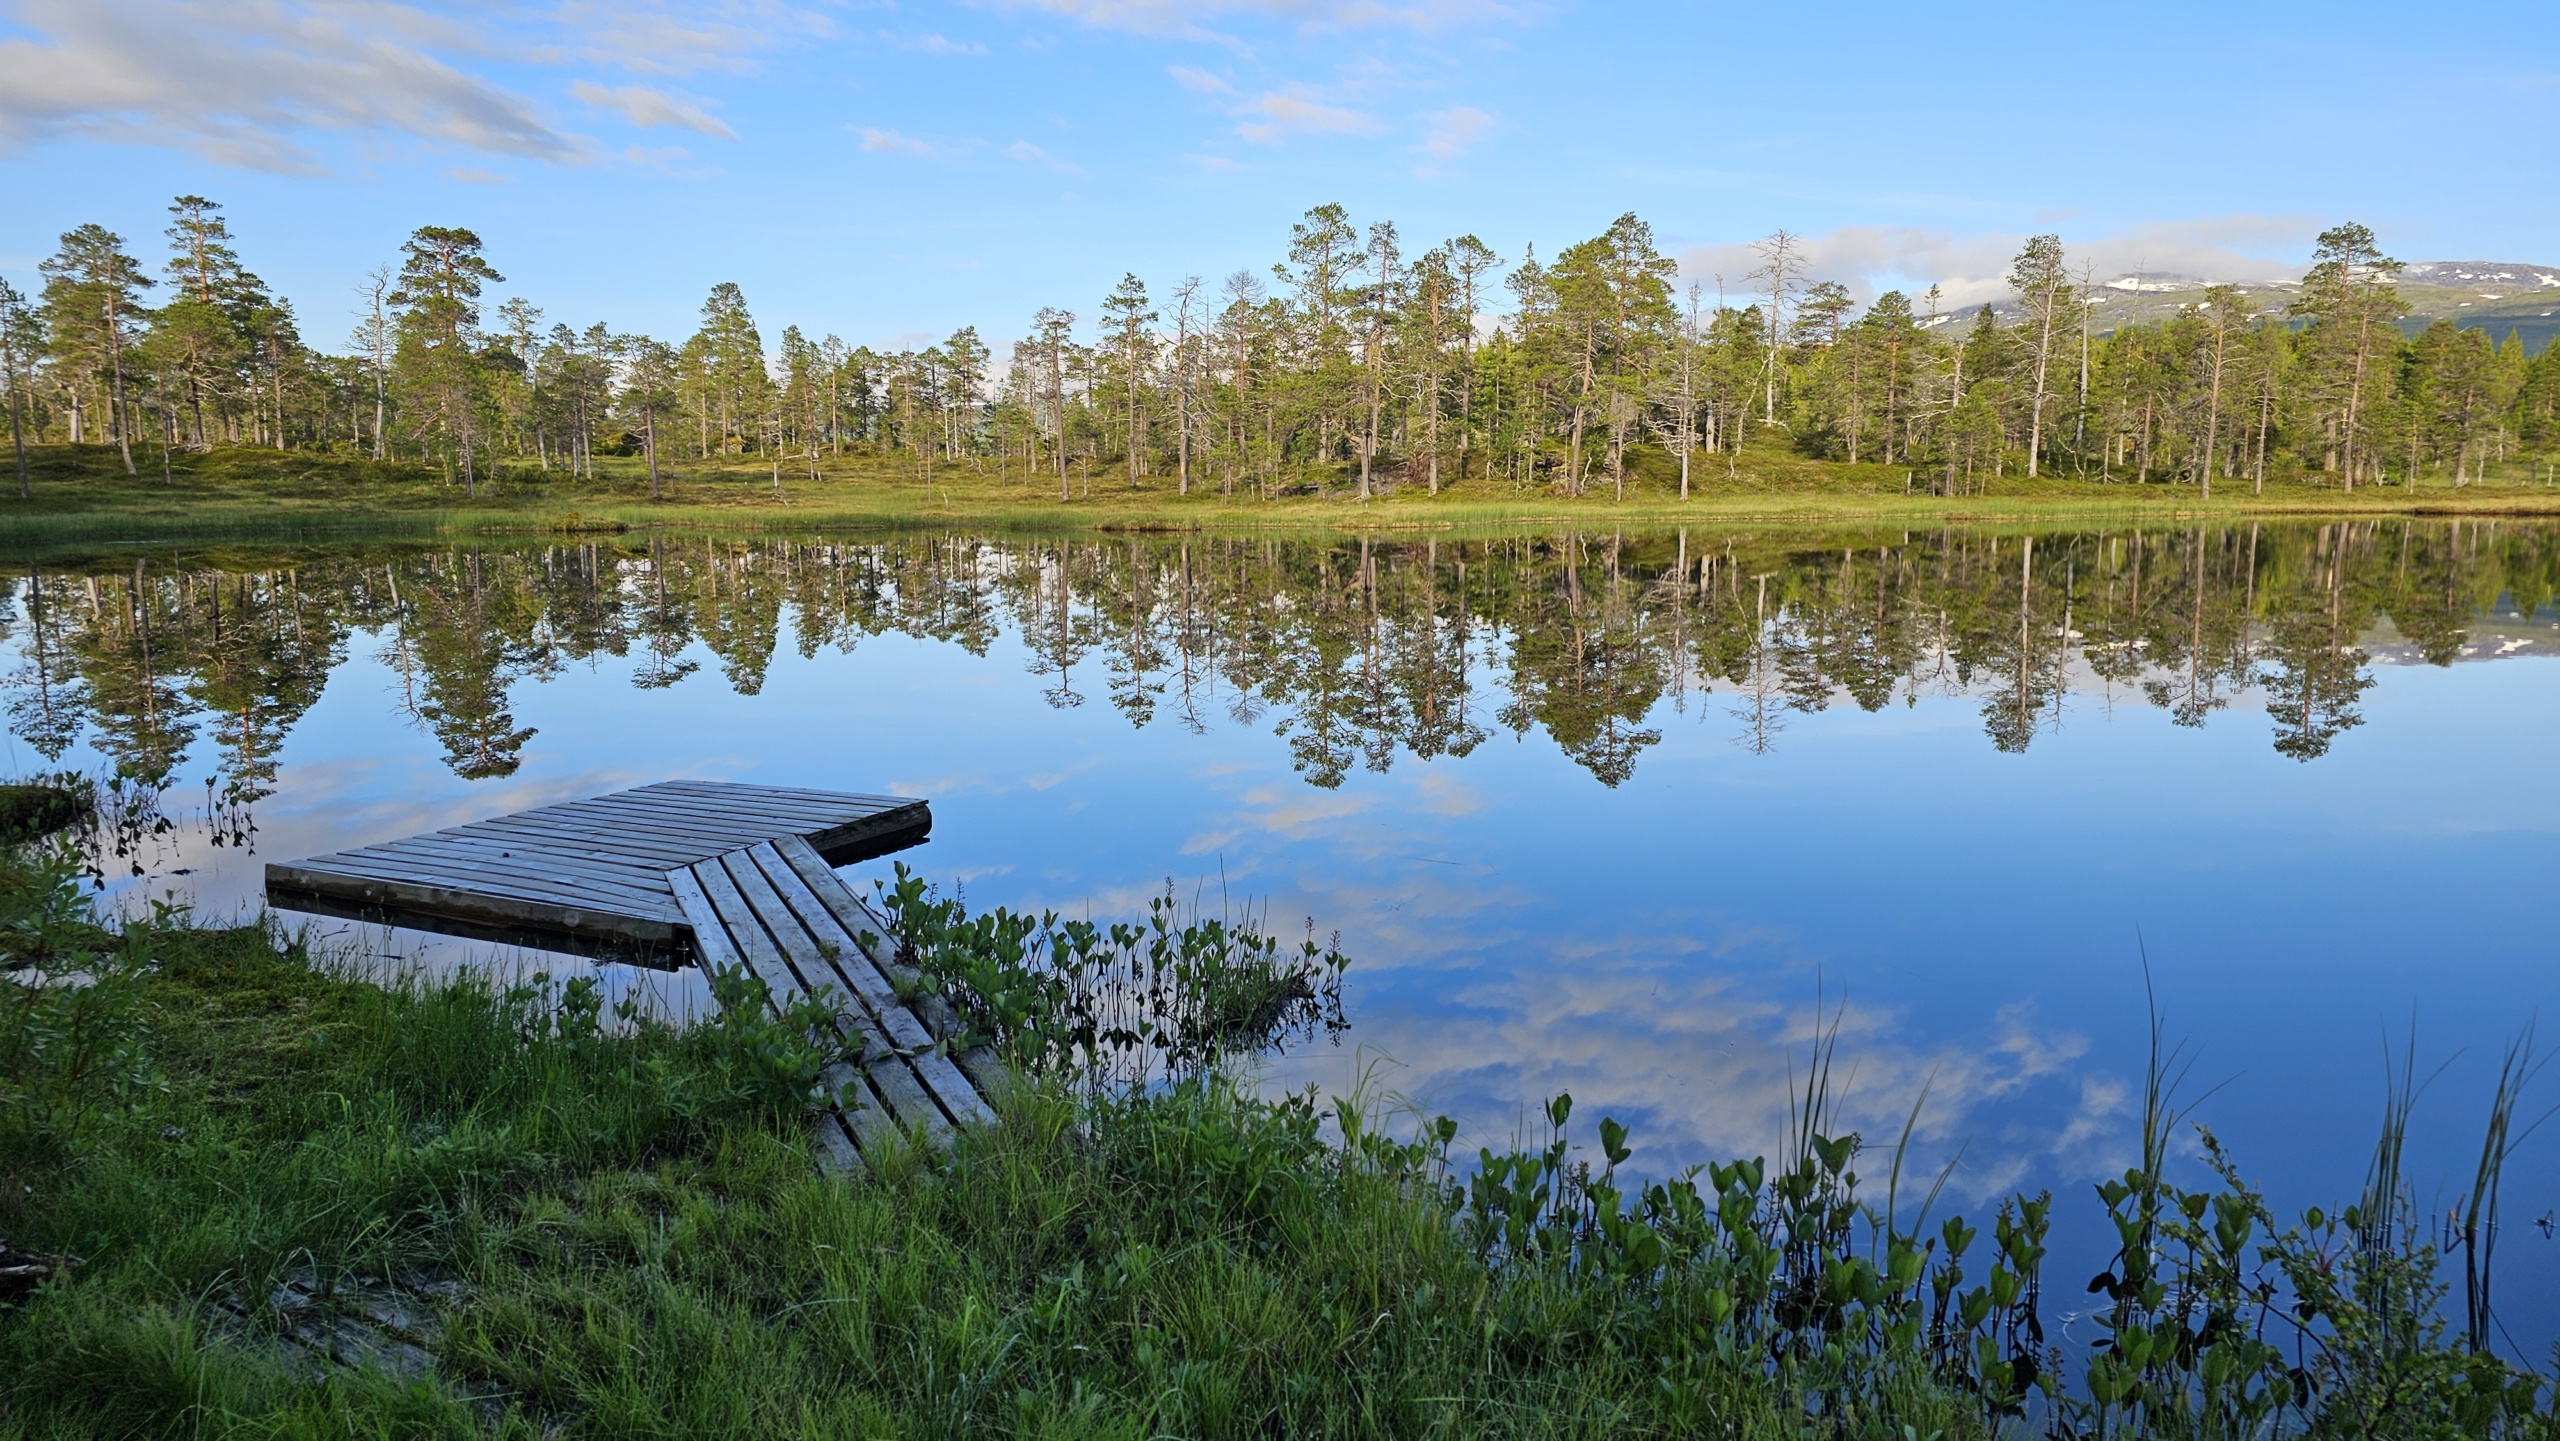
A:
[20,338]
[2351,298]
[2043,285]
[92,304]
[438,305]
[1125,318]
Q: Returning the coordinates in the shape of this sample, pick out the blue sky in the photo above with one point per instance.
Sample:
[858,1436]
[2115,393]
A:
[890,171]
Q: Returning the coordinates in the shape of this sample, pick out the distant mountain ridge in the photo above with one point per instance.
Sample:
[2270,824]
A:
[2492,295]
[2482,272]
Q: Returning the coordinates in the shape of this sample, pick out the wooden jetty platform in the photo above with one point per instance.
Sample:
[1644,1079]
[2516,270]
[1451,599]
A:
[710,872]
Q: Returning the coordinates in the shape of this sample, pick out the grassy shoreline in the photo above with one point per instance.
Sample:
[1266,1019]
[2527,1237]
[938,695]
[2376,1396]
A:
[583,1229]
[83,496]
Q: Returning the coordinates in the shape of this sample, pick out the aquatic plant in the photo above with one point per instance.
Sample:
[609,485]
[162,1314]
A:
[1120,1005]
[618,1230]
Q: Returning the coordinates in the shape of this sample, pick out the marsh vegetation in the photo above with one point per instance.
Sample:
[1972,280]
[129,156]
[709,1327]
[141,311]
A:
[607,1226]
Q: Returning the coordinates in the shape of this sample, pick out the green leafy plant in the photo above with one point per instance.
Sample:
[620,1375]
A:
[1123,1004]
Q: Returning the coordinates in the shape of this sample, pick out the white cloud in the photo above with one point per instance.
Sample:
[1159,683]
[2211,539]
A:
[239,81]
[1294,111]
[666,160]
[935,45]
[1200,81]
[672,37]
[1453,131]
[1972,269]
[1184,19]
[890,142]
[1030,154]
[649,108]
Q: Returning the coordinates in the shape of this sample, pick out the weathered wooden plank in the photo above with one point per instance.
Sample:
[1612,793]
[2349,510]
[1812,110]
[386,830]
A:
[763,959]
[639,847]
[664,953]
[847,837]
[643,879]
[783,809]
[665,825]
[609,818]
[796,793]
[956,1093]
[740,822]
[836,1153]
[461,874]
[597,853]
[864,978]
[839,898]
[873,838]
[891,1074]
[836,952]
[576,877]
[979,1064]
[710,937]
[421,888]
[780,820]
[852,1114]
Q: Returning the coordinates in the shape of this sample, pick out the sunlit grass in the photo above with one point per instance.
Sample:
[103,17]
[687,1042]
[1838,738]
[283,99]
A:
[81,493]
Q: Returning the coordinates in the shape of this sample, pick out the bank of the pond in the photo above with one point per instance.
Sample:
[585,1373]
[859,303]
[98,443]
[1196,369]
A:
[82,494]
[583,1229]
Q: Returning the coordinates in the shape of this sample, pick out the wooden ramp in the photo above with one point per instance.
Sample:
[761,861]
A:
[722,874]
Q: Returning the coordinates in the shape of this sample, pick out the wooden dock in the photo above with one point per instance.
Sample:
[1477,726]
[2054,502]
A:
[702,871]
[588,877]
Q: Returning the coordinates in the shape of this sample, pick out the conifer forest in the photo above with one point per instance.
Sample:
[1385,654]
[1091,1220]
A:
[1362,360]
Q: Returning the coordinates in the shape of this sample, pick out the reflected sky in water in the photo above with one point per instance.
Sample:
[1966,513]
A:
[1620,815]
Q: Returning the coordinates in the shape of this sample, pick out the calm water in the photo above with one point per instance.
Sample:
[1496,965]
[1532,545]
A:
[1613,813]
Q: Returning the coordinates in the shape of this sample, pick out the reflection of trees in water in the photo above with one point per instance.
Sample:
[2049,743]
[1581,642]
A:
[1356,651]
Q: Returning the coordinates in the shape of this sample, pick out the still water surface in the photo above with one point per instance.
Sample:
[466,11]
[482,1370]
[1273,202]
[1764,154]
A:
[1625,814]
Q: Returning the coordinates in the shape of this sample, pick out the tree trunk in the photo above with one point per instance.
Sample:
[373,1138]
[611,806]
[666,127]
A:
[122,422]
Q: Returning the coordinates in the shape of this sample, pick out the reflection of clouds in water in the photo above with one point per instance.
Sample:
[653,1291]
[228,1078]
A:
[979,782]
[1703,1059]
[1286,814]
[1441,793]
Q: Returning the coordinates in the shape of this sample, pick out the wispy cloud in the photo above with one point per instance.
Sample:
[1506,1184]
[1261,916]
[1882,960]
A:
[1030,154]
[931,44]
[1453,132]
[241,82]
[891,142]
[1294,111]
[670,160]
[1971,268]
[1199,81]
[650,109]
[672,37]
[1187,19]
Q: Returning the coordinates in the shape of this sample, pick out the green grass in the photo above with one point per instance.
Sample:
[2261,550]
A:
[81,494]
[627,1238]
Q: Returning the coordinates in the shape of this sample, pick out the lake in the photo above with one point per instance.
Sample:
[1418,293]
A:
[1637,815]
